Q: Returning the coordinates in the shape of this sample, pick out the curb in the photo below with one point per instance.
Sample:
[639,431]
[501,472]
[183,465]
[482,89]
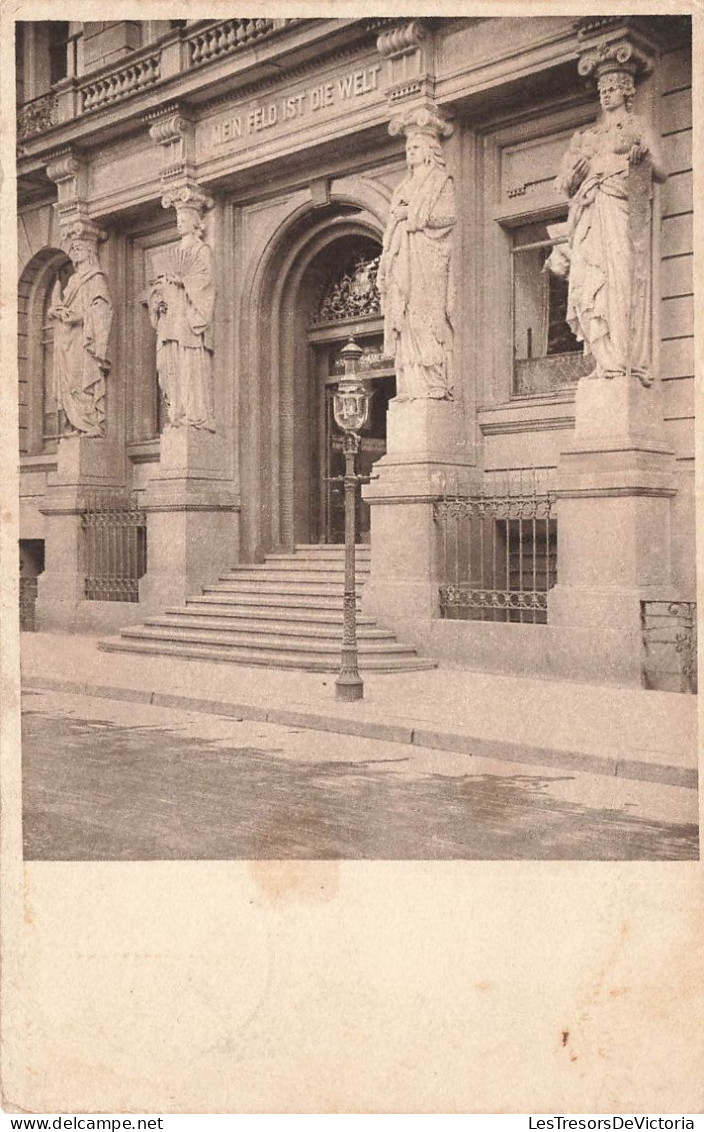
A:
[664,773]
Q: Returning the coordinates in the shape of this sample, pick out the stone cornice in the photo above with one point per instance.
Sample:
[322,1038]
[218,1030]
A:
[291,49]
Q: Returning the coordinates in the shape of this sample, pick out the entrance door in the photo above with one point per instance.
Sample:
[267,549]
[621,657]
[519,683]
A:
[372,448]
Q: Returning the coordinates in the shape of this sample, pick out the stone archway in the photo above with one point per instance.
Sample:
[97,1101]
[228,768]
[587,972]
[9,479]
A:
[277,464]
[38,276]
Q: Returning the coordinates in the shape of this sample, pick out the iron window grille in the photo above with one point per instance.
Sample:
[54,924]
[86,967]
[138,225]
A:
[115,546]
[497,551]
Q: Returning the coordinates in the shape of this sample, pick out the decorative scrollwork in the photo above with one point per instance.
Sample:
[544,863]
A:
[36,116]
[354,294]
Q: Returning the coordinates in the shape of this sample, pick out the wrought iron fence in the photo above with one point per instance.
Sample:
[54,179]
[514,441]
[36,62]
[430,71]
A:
[498,550]
[115,546]
[669,644]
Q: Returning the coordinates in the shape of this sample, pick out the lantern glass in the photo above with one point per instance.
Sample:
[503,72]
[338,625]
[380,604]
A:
[351,405]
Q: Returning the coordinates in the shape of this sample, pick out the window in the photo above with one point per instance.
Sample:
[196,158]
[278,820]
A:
[58,40]
[546,354]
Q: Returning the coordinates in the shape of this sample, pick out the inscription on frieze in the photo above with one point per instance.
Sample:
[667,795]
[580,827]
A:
[289,109]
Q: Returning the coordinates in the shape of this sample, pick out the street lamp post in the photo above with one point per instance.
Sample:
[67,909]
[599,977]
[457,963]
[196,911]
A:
[351,409]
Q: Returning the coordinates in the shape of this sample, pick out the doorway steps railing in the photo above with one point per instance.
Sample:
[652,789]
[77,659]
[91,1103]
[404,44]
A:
[283,613]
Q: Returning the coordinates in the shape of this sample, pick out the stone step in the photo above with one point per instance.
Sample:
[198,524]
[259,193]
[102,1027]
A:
[298,589]
[285,612]
[330,549]
[302,562]
[284,577]
[331,633]
[253,600]
[267,658]
[224,607]
[325,648]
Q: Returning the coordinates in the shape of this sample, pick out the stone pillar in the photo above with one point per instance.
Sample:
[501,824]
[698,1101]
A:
[192,510]
[192,519]
[427,452]
[425,459]
[615,479]
[90,455]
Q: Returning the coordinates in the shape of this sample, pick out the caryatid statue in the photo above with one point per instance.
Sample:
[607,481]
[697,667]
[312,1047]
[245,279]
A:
[415,273]
[608,173]
[82,316]
[181,303]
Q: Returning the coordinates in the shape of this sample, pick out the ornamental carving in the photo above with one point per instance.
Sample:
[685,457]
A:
[415,273]
[354,294]
[82,316]
[607,174]
[401,40]
[181,304]
[36,116]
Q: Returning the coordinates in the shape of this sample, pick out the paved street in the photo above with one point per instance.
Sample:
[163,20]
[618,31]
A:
[105,780]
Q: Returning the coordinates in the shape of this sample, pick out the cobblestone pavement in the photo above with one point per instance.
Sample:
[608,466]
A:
[105,780]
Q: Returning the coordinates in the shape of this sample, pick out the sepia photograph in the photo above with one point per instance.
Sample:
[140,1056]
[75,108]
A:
[349,605]
[356,438]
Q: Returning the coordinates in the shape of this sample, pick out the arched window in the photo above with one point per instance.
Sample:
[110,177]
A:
[40,421]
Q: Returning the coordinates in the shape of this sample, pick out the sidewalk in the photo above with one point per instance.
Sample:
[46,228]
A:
[601,730]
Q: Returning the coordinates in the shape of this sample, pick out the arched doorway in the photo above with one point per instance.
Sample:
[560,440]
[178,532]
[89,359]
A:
[314,288]
[347,306]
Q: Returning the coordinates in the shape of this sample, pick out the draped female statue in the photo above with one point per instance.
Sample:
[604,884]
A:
[181,303]
[607,173]
[415,270]
[82,314]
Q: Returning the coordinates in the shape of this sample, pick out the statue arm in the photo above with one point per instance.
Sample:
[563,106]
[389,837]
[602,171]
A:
[573,168]
[443,214]
[649,146]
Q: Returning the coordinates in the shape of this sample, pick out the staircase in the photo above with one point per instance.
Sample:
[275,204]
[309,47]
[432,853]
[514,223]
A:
[283,613]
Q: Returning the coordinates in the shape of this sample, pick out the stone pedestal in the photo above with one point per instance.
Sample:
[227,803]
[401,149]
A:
[192,519]
[615,482]
[83,464]
[426,458]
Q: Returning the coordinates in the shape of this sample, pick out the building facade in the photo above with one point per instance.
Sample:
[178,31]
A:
[210,210]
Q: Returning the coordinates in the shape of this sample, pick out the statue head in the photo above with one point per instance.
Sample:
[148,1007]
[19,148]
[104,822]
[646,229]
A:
[82,251]
[423,147]
[423,127]
[189,220]
[616,88]
[80,238]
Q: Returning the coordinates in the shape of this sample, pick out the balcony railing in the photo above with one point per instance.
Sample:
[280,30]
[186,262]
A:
[120,83]
[36,116]
[222,38]
[179,52]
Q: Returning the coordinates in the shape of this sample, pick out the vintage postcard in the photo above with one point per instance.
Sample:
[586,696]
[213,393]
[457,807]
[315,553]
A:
[350,481]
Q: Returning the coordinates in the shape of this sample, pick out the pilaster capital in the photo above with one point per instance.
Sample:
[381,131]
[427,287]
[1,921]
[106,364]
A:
[423,118]
[614,43]
[80,227]
[188,195]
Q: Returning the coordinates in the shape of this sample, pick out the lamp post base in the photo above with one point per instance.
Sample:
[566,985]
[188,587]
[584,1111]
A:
[349,687]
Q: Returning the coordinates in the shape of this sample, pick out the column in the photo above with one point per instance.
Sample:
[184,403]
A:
[427,451]
[90,454]
[192,510]
[615,479]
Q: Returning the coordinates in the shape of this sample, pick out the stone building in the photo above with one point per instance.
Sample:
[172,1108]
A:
[203,207]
